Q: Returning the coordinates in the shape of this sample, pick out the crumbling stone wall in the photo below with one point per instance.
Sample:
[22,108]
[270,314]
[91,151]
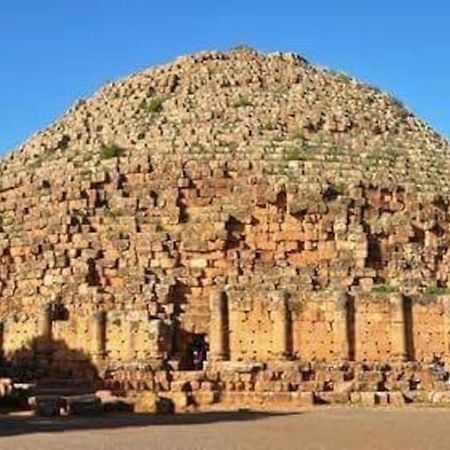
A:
[167,271]
[290,190]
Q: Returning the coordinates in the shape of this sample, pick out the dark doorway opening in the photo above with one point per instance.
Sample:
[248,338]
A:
[197,352]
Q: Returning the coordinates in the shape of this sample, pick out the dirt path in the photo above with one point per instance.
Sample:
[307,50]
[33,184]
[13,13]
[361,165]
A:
[318,429]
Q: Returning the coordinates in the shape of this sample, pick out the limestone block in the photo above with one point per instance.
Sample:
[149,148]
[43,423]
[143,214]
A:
[441,398]
[302,399]
[396,398]
[206,398]
[198,263]
[47,405]
[363,398]
[84,405]
[332,397]
[382,398]
[146,402]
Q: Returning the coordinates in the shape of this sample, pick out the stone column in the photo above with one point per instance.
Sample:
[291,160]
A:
[156,331]
[45,322]
[218,326]
[341,328]
[235,316]
[398,328]
[281,325]
[43,341]
[98,335]
[357,334]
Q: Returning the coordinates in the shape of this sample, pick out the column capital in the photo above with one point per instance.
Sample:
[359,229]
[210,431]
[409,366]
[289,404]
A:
[99,315]
[216,297]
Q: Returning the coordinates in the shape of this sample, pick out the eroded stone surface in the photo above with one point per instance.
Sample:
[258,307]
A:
[284,212]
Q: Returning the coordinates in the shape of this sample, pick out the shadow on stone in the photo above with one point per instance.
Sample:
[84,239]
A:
[45,360]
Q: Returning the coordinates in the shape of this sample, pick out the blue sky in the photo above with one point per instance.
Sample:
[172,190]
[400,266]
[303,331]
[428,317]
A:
[55,51]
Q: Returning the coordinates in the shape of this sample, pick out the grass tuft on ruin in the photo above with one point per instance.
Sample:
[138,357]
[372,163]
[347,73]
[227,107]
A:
[111,150]
[384,289]
[242,102]
[154,105]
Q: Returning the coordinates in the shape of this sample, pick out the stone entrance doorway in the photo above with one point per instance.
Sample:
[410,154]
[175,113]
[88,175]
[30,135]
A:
[197,352]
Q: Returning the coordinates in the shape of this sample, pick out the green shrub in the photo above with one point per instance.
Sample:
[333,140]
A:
[332,192]
[242,102]
[269,126]
[154,105]
[159,226]
[293,155]
[109,151]
[112,212]
[298,134]
[436,290]
[39,160]
[384,288]
[343,77]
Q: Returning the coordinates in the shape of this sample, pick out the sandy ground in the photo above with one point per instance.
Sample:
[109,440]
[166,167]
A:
[318,429]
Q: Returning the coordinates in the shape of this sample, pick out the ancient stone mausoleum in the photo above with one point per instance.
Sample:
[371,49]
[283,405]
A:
[271,209]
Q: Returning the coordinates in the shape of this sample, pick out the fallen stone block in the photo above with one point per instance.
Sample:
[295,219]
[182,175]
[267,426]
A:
[302,399]
[396,398]
[5,386]
[417,397]
[363,398]
[442,398]
[146,402]
[47,405]
[381,398]
[165,406]
[203,398]
[332,397]
[83,405]
[274,399]
[113,403]
[242,367]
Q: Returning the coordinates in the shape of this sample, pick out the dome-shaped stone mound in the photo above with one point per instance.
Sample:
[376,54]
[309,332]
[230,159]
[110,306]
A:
[235,188]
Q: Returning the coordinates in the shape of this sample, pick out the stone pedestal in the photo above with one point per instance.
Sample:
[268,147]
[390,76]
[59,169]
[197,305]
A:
[399,350]
[281,325]
[218,327]
[98,335]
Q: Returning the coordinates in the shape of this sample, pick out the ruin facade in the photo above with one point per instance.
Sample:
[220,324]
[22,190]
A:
[283,214]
